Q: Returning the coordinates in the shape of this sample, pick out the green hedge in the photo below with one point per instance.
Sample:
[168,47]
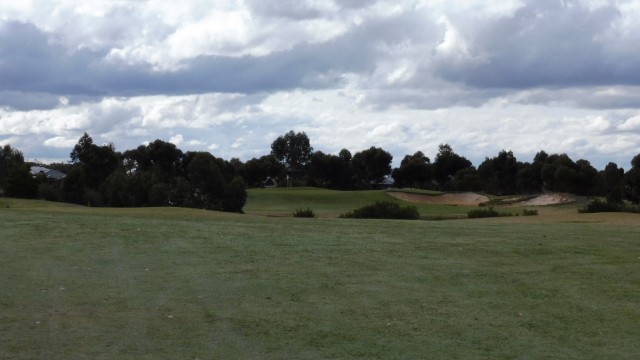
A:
[384,210]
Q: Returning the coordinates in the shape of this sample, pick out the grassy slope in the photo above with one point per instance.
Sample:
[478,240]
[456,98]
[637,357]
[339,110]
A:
[179,283]
[329,203]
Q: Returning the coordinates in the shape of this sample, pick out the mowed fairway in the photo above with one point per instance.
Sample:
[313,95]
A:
[86,283]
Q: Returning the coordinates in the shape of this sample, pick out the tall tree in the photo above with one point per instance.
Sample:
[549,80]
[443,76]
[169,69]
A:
[586,178]
[499,174]
[632,181]
[96,162]
[206,180]
[255,171]
[293,149]
[20,183]
[447,163]
[371,165]
[329,171]
[414,171]
[235,195]
[613,182]
[9,159]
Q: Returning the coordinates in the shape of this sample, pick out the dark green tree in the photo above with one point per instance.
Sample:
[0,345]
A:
[235,195]
[10,160]
[96,162]
[500,174]
[73,189]
[586,179]
[371,166]
[19,182]
[164,160]
[613,182]
[558,173]
[206,180]
[329,171]
[467,179]
[632,181]
[447,163]
[255,171]
[345,155]
[414,171]
[293,150]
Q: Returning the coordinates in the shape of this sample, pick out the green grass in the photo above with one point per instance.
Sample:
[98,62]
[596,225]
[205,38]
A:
[416,191]
[331,203]
[171,283]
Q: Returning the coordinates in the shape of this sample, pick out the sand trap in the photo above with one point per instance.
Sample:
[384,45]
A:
[547,199]
[465,199]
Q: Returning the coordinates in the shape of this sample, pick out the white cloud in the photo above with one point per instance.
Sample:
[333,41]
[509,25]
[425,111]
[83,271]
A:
[237,144]
[631,124]
[196,143]
[61,142]
[176,139]
[597,124]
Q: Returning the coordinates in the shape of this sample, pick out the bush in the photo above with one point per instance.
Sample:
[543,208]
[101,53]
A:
[384,210]
[304,213]
[597,206]
[490,212]
[483,213]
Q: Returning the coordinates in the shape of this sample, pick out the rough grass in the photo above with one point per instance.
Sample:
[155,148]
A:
[182,283]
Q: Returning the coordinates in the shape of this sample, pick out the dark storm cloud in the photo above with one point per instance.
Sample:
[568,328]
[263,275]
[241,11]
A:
[28,101]
[33,62]
[292,9]
[300,9]
[544,43]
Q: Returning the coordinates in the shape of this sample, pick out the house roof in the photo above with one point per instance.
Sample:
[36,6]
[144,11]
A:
[50,174]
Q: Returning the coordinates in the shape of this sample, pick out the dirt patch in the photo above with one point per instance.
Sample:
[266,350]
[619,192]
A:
[464,199]
[548,199]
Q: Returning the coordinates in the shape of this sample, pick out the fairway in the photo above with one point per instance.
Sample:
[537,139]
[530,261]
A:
[170,283]
[332,203]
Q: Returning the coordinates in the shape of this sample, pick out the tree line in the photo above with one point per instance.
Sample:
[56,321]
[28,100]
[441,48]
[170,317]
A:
[159,173]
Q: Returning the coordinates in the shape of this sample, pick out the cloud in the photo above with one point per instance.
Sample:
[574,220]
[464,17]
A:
[543,43]
[406,75]
[176,139]
[631,124]
[61,142]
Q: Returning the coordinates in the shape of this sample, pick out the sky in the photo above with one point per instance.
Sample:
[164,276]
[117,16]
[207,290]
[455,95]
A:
[230,76]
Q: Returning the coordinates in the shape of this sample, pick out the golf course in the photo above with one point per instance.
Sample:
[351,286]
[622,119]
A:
[174,283]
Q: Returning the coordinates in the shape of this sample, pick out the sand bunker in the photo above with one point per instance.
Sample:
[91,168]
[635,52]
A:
[465,199]
[475,199]
[547,199]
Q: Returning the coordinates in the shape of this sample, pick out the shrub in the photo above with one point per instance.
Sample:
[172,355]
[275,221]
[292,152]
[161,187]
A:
[526,212]
[597,205]
[384,210]
[488,212]
[304,213]
[483,213]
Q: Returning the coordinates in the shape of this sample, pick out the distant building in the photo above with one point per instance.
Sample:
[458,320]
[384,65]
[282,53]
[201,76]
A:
[386,183]
[50,174]
[269,183]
